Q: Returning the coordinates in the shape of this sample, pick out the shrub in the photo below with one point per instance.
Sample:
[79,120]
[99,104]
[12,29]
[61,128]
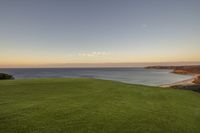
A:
[197,80]
[4,76]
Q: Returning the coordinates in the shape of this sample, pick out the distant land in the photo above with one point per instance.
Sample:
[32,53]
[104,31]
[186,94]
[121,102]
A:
[194,69]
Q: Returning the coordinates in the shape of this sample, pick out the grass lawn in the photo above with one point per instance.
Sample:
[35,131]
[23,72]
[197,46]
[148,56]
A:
[95,106]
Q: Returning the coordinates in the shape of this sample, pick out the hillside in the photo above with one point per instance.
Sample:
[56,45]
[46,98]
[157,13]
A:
[95,106]
[179,69]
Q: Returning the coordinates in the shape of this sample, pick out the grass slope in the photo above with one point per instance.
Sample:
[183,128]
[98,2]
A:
[95,106]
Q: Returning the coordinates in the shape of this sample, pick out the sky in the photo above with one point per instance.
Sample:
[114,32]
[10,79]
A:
[36,33]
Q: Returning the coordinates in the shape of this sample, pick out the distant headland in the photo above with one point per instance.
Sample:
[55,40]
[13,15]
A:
[179,69]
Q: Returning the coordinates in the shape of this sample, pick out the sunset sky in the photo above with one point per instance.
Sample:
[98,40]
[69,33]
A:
[60,32]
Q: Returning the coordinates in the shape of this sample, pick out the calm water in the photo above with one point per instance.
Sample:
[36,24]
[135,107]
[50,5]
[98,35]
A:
[128,75]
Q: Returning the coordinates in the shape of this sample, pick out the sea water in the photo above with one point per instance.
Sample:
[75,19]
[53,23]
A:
[153,77]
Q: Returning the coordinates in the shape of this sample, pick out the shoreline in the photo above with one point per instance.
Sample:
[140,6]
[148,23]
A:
[187,82]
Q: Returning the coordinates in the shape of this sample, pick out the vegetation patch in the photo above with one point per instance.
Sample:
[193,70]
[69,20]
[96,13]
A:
[95,106]
[197,80]
[4,76]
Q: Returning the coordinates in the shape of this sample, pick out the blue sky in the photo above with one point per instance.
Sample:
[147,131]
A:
[36,32]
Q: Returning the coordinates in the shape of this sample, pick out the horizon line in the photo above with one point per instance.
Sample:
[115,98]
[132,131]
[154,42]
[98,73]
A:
[102,65]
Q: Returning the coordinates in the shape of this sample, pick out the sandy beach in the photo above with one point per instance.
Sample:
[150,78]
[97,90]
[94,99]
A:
[183,83]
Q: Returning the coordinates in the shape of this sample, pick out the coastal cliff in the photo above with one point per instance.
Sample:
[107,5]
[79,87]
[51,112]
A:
[179,69]
[187,70]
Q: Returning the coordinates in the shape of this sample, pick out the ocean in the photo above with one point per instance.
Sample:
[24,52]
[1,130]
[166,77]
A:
[152,77]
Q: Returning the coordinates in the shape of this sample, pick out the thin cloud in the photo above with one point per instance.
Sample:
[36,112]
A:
[144,26]
[90,54]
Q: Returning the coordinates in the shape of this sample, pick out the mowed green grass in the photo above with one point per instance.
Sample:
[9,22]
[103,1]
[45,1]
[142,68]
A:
[95,106]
